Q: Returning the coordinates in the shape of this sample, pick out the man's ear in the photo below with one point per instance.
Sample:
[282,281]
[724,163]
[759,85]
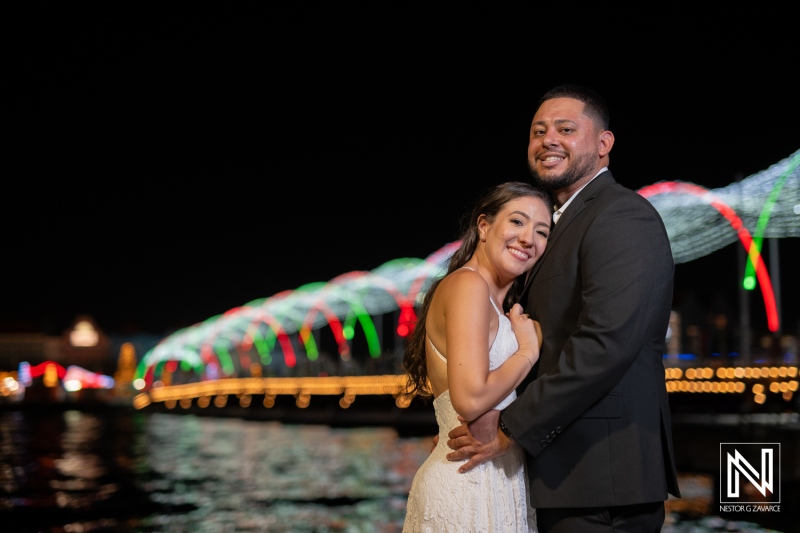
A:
[606,141]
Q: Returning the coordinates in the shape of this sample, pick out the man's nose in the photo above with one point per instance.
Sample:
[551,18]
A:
[550,137]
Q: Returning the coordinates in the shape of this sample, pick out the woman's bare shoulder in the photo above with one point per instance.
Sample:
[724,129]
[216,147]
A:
[461,287]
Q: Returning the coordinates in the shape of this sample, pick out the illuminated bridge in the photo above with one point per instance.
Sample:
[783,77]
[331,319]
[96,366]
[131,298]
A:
[345,337]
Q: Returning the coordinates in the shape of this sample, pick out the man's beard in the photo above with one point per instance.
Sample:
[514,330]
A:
[581,167]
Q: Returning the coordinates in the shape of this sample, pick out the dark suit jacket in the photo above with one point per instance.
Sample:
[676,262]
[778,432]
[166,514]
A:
[595,421]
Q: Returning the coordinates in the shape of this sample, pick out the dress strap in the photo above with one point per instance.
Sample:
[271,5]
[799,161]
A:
[443,358]
[499,312]
[495,306]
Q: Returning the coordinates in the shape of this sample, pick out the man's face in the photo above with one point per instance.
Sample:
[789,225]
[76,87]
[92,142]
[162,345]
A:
[564,147]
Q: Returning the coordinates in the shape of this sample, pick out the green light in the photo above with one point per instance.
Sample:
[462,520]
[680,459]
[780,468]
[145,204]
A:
[749,281]
[225,359]
[309,343]
[347,328]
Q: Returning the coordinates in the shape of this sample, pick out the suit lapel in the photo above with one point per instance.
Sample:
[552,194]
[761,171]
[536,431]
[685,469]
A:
[574,210]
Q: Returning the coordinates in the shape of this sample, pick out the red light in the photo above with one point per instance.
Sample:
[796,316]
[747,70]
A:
[407,320]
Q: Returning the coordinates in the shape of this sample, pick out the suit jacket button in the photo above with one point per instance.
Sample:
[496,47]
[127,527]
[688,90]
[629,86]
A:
[558,429]
[543,444]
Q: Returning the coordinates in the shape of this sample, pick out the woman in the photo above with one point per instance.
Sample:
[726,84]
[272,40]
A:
[462,353]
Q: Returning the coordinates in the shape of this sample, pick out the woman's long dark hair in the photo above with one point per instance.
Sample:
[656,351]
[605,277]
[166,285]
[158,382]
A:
[490,204]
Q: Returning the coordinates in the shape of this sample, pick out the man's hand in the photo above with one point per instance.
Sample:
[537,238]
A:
[466,446]
[484,428]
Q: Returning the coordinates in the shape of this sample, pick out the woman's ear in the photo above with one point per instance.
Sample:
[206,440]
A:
[483,227]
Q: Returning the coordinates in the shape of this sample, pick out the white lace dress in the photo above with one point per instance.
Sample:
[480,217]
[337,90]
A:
[492,497]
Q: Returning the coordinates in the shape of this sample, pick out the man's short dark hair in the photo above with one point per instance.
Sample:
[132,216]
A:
[595,105]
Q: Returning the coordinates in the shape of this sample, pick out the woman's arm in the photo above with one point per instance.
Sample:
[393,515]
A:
[468,318]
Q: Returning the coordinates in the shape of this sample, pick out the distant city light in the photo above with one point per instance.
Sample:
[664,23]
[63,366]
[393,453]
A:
[72,378]
[84,334]
[72,385]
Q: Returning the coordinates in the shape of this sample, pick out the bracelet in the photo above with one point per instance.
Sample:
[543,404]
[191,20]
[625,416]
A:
[524,357]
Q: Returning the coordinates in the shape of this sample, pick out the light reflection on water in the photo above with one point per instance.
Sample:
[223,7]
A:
[266,476]
[75,471]
[121,471]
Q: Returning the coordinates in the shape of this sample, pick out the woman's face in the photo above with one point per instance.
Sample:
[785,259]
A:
[517,237]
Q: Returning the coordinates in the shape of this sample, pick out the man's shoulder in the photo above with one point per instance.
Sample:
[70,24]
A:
[616,202]
[604,195]
[614,189]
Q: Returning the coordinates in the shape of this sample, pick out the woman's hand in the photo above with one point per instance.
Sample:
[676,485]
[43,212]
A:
[528,333]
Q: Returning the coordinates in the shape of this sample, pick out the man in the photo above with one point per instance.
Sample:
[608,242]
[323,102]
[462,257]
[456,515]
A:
[593,416]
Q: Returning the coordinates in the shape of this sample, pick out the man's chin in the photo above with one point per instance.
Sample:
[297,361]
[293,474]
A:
[547,180]
[555,181]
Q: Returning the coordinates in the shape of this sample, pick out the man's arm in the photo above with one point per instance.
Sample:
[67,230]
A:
[479,441]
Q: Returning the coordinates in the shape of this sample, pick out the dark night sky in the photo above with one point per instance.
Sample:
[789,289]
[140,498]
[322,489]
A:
[165,162]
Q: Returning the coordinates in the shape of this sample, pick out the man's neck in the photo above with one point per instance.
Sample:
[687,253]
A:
[562,195]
